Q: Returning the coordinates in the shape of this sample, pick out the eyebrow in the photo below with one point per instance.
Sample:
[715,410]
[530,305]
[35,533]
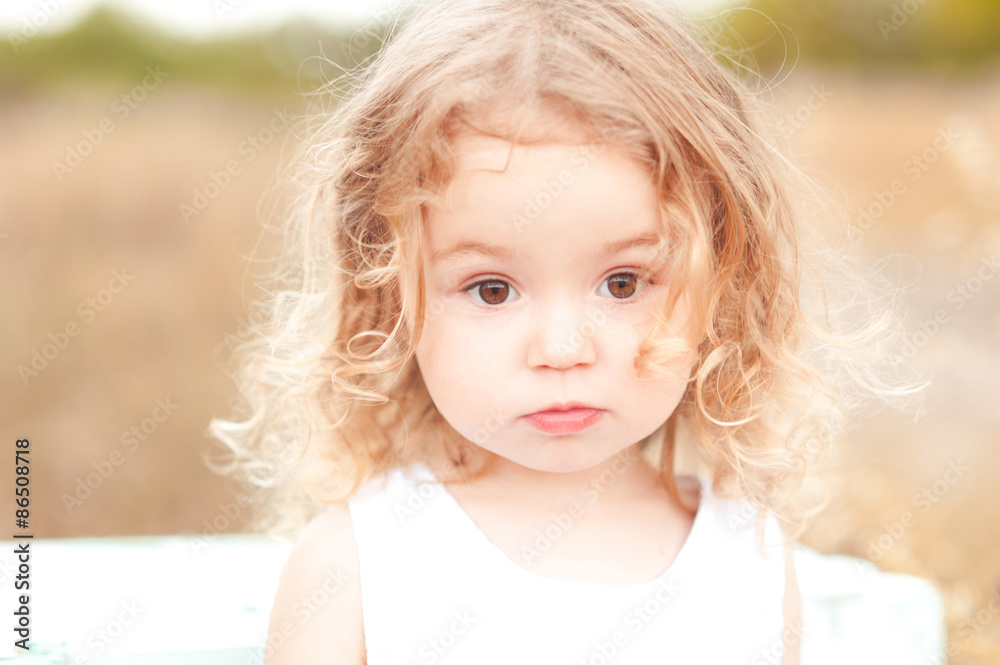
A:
[503,253]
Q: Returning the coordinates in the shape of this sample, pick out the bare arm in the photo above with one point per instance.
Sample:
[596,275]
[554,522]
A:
[316,616]
[792,636]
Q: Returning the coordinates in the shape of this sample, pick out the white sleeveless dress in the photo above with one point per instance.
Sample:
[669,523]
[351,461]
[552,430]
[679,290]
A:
[434,589]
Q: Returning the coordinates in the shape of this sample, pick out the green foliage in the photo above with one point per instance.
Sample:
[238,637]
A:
[865,34]
[297,57]
[108,45]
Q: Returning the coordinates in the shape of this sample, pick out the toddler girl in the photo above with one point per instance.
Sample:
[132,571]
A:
[542,376]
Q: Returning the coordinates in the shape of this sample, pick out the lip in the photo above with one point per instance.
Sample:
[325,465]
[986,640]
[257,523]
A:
[565,418]
[566,406]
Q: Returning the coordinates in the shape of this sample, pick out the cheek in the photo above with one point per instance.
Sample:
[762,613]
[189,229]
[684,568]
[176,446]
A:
[465,397]
[620,341]
[456,366]
[619,337]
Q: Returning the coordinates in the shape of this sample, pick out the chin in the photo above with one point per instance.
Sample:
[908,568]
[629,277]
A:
[566,459]
[560,466]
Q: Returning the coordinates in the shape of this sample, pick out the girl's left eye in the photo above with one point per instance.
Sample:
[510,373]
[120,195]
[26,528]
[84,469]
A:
[621,286]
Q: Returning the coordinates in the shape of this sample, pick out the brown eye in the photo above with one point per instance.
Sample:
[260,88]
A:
[493,292]
[623,285]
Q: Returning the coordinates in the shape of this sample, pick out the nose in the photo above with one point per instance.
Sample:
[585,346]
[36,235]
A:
[562,337]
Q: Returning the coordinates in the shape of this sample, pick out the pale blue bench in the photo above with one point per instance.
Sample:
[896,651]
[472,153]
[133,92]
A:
[170,600]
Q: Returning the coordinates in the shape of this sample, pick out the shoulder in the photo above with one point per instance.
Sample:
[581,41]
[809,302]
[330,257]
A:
[317,612]
[741,517]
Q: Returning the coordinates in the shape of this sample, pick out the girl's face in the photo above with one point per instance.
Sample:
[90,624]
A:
[536,296]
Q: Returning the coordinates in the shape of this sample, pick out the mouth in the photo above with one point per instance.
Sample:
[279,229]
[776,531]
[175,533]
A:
[566,406]
[565,418]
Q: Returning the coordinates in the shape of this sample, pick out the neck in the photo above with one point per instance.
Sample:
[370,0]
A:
[625,476]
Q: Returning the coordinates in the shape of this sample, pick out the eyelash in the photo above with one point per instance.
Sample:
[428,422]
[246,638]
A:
[644,277]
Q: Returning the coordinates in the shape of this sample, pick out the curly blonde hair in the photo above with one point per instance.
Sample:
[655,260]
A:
[791,334]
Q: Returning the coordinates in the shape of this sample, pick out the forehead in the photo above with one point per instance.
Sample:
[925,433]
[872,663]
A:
[563,193]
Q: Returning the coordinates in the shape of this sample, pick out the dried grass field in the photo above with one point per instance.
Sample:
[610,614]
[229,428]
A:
[125,301]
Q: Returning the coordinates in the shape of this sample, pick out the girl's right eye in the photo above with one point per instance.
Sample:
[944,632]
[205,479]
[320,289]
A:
[492,292]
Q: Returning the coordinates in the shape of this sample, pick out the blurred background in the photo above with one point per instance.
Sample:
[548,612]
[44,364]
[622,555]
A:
[138,141]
